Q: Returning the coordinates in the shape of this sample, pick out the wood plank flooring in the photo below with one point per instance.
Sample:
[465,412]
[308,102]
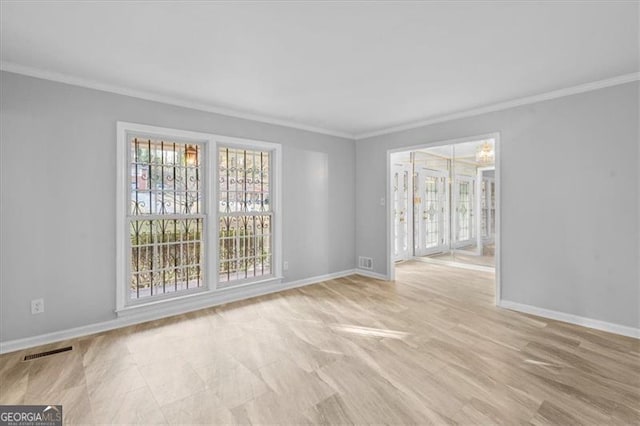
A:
[429,348]
[464,256]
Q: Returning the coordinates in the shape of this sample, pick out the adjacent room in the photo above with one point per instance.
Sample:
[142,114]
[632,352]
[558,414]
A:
[309,212]
[445,203]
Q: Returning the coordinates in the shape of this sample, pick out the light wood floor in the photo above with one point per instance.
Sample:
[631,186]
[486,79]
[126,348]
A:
[464,257]
[429,348]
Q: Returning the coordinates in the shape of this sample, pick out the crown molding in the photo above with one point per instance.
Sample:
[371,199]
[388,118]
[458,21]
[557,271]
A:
[573,90]
[149,96]
[121,90]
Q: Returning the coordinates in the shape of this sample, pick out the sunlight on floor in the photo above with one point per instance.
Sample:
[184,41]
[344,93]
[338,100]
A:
[367,331]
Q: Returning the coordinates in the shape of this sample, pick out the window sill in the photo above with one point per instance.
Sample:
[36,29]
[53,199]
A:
[198,300]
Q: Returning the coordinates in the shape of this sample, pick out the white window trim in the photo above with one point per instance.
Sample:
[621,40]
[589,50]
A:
[209,143]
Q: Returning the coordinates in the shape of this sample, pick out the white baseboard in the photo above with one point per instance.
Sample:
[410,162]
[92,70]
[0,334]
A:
[207,300]
[572,319]
[371,274]
[321,278]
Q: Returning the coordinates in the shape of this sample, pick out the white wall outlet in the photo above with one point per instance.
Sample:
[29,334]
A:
[285,265]
[382,201]
[37,306]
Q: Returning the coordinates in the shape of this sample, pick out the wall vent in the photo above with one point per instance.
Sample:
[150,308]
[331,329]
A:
[47,353]
[365,263]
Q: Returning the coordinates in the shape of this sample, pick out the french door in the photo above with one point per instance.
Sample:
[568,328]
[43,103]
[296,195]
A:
[430,212]
[488,209]
[463,202]
[401,181]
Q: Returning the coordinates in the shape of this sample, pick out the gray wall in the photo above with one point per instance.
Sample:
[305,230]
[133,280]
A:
[570,219]
[569,199]
[58,151]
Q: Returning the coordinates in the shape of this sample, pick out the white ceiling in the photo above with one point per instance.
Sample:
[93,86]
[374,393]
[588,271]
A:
[351,67]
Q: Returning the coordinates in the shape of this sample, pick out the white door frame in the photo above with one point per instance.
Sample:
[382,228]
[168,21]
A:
[391,273]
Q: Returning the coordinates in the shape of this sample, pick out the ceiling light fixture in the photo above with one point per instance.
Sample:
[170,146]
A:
[486,154]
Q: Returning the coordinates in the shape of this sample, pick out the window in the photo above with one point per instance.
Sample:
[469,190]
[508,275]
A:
[197,213]
[165,220]
[245,214]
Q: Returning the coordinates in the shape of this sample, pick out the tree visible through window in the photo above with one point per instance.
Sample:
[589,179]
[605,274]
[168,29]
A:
[165,217]
[245,214]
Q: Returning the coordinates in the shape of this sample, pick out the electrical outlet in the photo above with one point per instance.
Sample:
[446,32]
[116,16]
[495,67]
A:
[37,306]
[285,265]
[382,201]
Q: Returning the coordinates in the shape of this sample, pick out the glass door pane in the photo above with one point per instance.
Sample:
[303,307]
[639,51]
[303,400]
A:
[401,183]
[429,213]
[464,201]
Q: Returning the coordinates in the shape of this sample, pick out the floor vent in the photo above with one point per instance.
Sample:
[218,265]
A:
[365,263]
[47,353]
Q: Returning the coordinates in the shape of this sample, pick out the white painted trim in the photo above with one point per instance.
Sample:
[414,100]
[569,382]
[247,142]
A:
[568,91]
[207,300]
[497,147]
[155,97]
[371,274]
[149,96]
[321,278]
[391,268]
[121,206]
[572,319]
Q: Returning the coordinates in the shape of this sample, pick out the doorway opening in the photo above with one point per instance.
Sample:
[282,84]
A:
[444,204]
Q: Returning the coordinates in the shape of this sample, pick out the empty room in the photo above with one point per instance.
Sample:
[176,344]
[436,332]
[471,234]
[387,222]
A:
[320,212]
